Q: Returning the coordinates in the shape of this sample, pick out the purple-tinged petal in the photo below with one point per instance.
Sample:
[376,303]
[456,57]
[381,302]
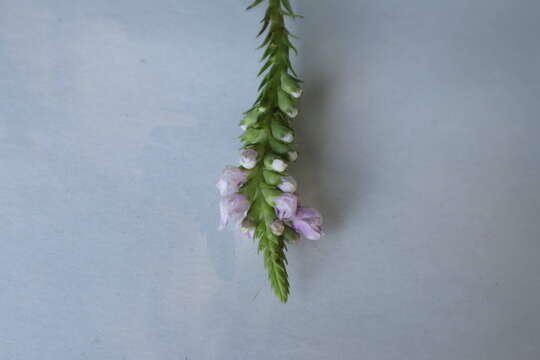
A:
[233,209]
[285,206]
[308,221]
[247,229]
[231,179]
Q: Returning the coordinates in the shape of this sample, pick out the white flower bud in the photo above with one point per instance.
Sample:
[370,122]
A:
[288,184]
[287,138]
[277,227]
[293,155]
[296,94]
[286,104]
[292,113]
[291,85]
[281,132]
[279,165]
[248,158]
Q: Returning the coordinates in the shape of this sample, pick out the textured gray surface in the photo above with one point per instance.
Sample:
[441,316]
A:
[419,138]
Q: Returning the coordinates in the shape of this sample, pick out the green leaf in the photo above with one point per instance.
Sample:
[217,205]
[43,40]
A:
[265,22]
[266,41]
[265,80]
[253,4]
[253,136]
[275,261]
[272,177]
[290,67]
[265,67]
[291,46]
[291,35]
[279,147]
[287,5]
[290,235]
[291,14]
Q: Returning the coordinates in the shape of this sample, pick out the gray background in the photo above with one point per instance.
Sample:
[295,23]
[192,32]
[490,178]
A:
[419,142]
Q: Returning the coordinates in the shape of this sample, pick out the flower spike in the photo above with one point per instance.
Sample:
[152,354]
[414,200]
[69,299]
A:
[259,197]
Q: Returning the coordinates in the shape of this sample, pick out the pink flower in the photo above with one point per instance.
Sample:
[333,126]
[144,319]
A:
[230,181]
[308,221]
[285,206]
[233,208]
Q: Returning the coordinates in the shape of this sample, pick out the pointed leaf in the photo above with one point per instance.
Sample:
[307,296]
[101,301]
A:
[253,4]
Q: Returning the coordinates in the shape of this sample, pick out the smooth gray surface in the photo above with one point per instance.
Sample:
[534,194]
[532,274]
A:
[419,135]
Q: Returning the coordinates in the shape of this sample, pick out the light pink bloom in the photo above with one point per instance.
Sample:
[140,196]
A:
[285,206]
[230,181]
[308,221]
[233,209]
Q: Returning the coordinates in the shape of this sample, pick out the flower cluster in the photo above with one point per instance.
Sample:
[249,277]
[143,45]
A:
[280,194]
[259,196]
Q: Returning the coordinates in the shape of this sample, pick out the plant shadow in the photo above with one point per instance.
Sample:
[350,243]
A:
[330,172]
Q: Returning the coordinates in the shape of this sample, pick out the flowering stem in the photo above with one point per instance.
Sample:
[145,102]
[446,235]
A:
[269,134]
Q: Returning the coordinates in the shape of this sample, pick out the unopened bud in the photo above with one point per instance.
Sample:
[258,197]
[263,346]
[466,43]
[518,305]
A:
[248,158]
[290,85]
[275,163]
[271,178]
[286,104]
[277,227]
[293,155]
[288,184]
[281,132]
[279,165]
[251,117]
[253,136]
[288,138]
[278,147]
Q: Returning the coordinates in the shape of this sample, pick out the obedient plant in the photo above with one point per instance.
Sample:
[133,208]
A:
[259,196]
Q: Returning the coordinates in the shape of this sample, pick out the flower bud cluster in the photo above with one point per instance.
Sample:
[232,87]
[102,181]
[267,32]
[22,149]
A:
[278,189]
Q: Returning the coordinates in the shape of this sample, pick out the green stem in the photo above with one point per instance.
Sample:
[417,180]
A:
[261,214]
